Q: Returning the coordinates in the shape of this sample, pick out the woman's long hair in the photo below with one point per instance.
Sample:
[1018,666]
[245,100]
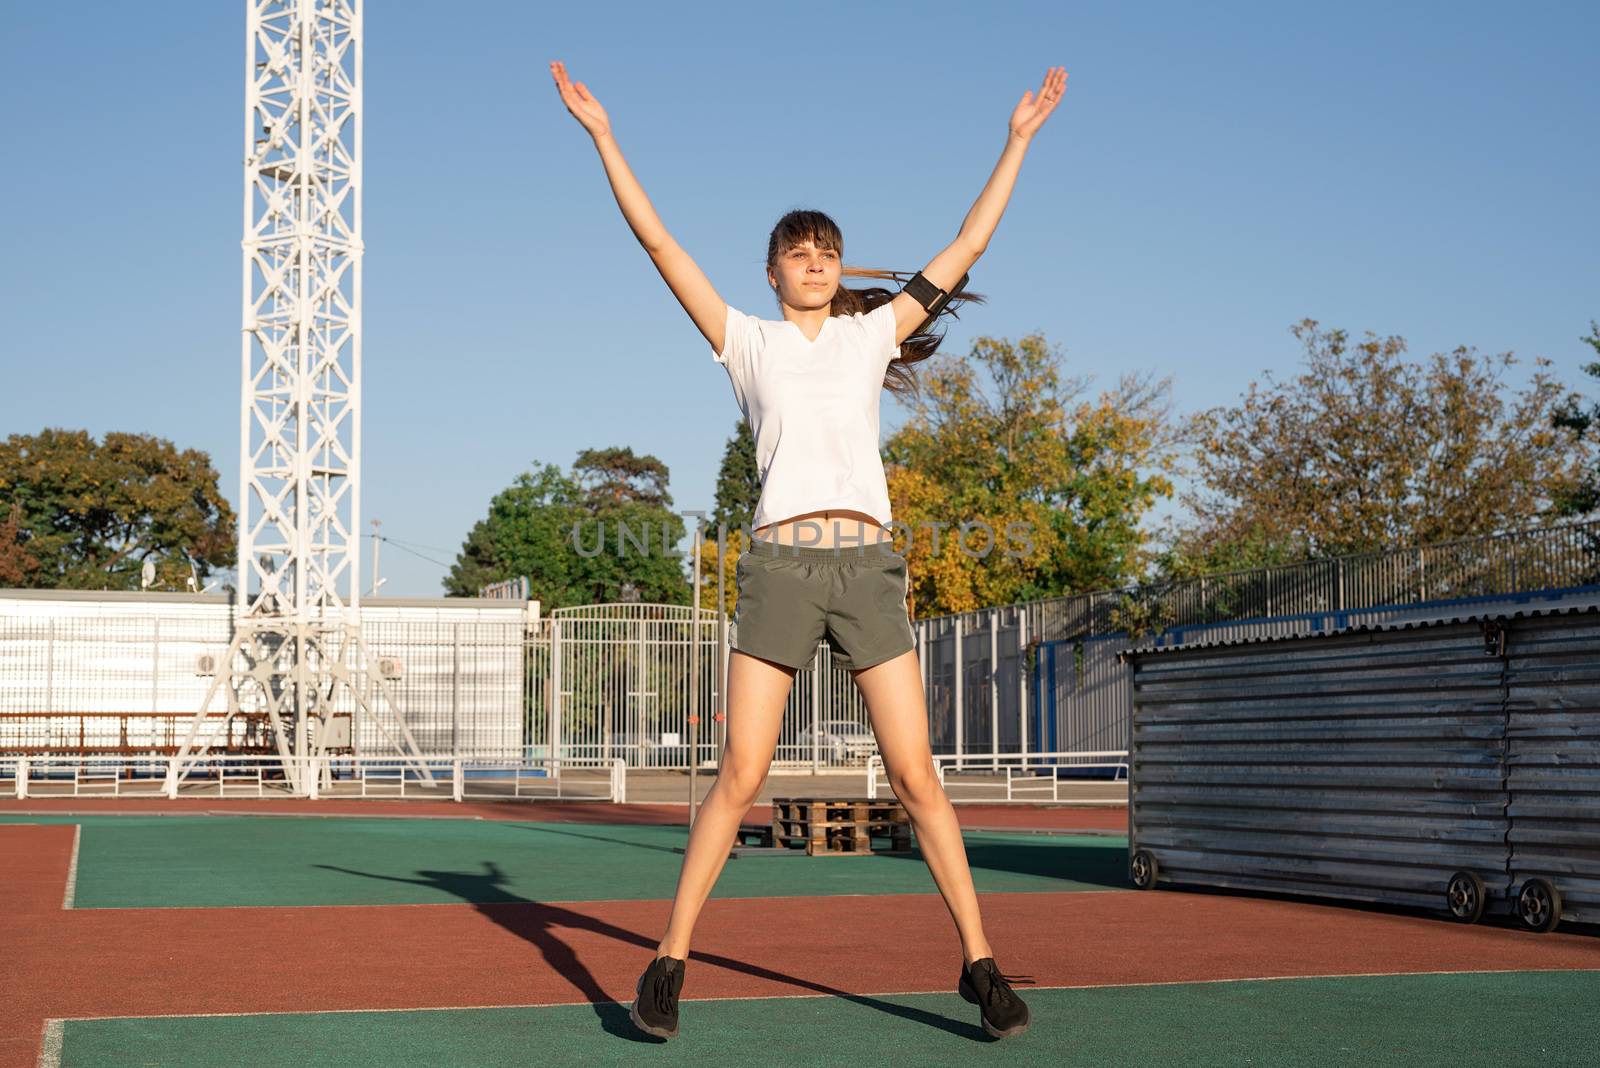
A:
[798,227]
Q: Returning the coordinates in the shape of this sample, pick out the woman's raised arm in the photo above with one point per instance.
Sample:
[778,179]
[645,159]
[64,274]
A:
[682,275]
[948,267]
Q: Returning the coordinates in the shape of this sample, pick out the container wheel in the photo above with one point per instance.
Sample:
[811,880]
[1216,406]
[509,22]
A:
[1145,869]
[1464,896]
[1539,905]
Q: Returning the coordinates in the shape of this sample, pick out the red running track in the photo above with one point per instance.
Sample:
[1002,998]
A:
[100,962]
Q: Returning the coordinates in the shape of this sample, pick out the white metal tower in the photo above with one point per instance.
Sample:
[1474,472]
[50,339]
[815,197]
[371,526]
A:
[299,440]
[297,654]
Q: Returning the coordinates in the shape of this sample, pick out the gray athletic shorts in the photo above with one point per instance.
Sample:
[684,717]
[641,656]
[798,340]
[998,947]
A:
[791,597]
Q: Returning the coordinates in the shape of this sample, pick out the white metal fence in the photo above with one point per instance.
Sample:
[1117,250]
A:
[1035,778]
[439,778]
[106,674]
[117,673]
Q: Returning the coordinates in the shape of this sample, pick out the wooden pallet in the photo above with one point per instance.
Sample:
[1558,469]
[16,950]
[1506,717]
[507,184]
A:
[840,826]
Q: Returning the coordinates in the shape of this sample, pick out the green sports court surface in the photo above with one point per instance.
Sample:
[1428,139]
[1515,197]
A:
[1544,1018]
[301,940]
[221,861]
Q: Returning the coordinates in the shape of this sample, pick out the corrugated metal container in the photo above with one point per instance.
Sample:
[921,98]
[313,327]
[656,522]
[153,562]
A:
[1376,764]
[1087,694]
[1366,766]
[1553,759]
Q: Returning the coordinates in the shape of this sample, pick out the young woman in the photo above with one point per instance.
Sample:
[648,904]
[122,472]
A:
[809,385]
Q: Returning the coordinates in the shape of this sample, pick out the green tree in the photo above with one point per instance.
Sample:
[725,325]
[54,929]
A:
[1003,440]
[611,477]
[83,514]
[1583,497]
[1190,554]
[579,537]
[526,532]
[738,491]
[738,481]
[1366,450]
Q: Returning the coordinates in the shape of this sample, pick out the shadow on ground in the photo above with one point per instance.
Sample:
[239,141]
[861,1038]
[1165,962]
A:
[611,839]
[539,924]
[1095,865]
[1089,863]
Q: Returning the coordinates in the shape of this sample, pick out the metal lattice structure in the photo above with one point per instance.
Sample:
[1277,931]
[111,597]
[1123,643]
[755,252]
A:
[299,488]
[297,665]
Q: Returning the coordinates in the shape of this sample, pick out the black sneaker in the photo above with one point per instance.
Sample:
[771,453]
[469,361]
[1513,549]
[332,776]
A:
[1004,1013]
[655,1010]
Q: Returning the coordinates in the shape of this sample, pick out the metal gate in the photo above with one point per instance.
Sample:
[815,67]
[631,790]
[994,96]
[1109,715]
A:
[612,681]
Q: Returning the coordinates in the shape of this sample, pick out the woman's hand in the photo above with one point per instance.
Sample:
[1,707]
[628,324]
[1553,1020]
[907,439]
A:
[1033,110]
[584,107]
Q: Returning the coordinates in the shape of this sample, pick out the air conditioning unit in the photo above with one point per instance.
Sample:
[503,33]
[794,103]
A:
[205,664]
[391,667]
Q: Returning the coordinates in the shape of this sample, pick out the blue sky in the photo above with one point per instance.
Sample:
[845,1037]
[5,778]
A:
[1216,172]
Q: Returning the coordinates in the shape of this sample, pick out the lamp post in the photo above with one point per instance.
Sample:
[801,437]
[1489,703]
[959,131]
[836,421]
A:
[721,714]
[694,679]
[377,541]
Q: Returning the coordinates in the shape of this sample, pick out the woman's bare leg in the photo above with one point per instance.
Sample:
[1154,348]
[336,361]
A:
[757,692]
[893,692]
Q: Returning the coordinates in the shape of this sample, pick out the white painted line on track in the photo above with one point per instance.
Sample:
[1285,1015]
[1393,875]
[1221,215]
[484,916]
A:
[848,995]
[50,1044]
[72,869]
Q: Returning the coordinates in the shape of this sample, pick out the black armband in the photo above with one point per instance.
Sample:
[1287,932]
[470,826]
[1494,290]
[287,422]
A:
[930,296]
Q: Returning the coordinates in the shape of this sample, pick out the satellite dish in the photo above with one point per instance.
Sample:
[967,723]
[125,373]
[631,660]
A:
[147,574]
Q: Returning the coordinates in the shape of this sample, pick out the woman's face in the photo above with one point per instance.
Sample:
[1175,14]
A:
[805,276]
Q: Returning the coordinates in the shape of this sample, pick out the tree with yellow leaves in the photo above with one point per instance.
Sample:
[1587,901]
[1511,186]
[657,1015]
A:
[1014,487]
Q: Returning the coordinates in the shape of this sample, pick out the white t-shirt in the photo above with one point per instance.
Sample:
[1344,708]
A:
[812,407]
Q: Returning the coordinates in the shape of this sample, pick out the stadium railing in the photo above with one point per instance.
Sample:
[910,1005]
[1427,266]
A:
[1017,777]
[455,778]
